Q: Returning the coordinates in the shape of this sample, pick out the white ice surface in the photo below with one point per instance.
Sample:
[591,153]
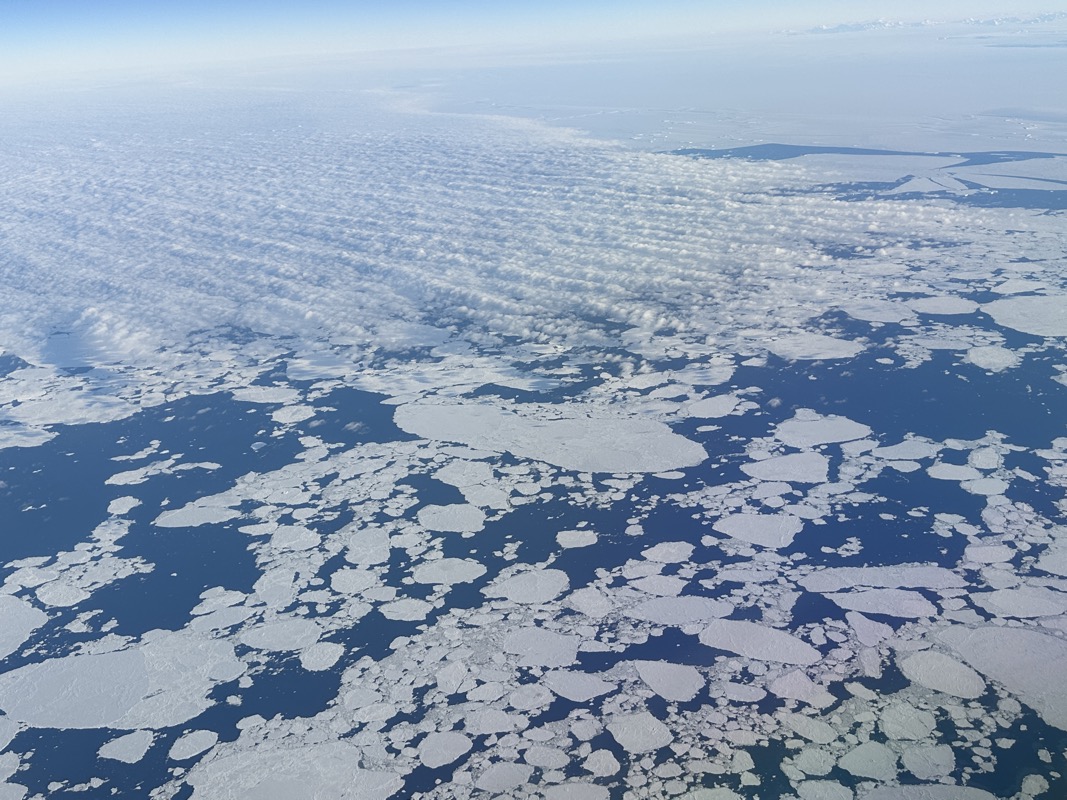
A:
[813,347]
[766,530]
[942,673]
[640,732]
[757,641]
[1037,315]
[792,468]
[129,748]
[679,682]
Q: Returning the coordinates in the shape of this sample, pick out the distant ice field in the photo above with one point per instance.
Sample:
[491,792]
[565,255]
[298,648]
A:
[353,449]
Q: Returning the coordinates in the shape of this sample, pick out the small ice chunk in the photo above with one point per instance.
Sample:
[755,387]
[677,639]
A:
[941,673]
[1038,315]
[676,682]
[890,602]
[458,518]
[576,686]
[679,610]
[578,538]
[287,634]
[439,749]
[813,346]
[192,744]
[640,732]
[792,468]
[766,530]
[870,760]
[530,588]
[757,641]
[448,571]
[129,748]
[669,552]
[536,647]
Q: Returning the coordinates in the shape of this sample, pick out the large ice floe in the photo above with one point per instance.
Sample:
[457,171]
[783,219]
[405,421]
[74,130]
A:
[357,450]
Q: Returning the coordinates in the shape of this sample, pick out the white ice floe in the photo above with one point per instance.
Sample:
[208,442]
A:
[1043,315]
[757,641]
[811,728]
[122,505]
[679,682]
[679,610]
[823,790]
[802,432]
[926,792]
[669,552]
[458,518]
[870,760]
[18,621]
[908,450]
[792,468]
[766,530]
[194,515]
[439,749]
[902,576]
[281,635]
[941,673]
[905,721]
[569,540]
[533,587]
[192,744]
[503,777]
[321,656]
[582,442]
[812,347]
[290,415]
[163,682]
[576,686]
[640,732]
[265,394]
[798,686]
[448,571]
[1023,602]
[890,602]
[869,632]
[406,609]
[1029,663]
[536,647]
[992,357]
[129,748]
[713,407]
[878,310]
[946,305]
[929,761]
[577,790]
[331,769]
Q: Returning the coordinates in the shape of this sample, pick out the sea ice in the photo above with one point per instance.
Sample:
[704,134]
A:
[129,748]
[890,602]
[792,468]
[679,610]
[20,620]
[459,518]
[913,576]
[579,538]
[757,641]
[447,571]
[1044,315]
[712,407]
[195,515]
[1024,602]
[576,686]
[870,760]
[943,306]
[943,674]
[287,634]
[676,682]
[812,347]
[439,749]
[992,357]
[766,530]
[640,732]
[805,433]
[192,744]
[530,588]
[536,647]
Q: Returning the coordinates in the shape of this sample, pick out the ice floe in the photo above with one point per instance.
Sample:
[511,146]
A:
[679,682]
[1044,315]
[766,530]
[791,468]
[640,732]
[941,673]
[813,346]
[757,641]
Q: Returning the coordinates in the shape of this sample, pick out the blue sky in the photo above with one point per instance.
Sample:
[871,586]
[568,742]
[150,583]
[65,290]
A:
[59,37]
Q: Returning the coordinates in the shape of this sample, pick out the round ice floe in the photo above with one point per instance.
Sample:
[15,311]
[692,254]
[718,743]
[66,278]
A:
[192,744]
[407,609]
[288,634]
[757,641]
[439,749]
[1037,315]
[943,674]
[669,552]
[992,358]
[1029,663]
[712,407]
[459,518]
[766,530]
[572,539]
[534,587]
[679,610]
[812,347]
[321,656]
[546,757]
[448,571]
[503,777]
[640,732]
[792,468]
